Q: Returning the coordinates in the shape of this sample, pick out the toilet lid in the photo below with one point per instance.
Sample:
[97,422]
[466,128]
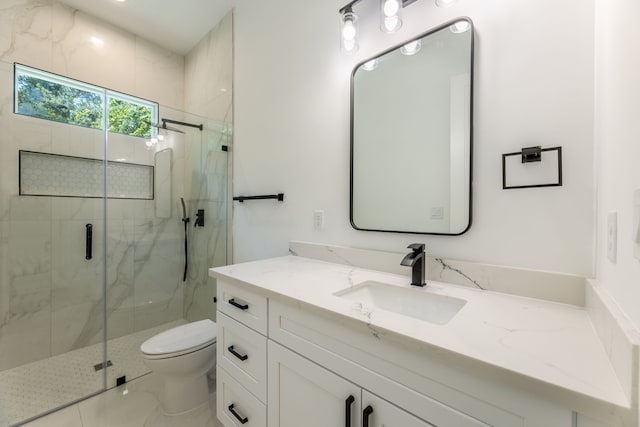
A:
[191,336]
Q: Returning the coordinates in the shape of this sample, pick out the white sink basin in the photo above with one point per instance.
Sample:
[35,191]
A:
[412,302]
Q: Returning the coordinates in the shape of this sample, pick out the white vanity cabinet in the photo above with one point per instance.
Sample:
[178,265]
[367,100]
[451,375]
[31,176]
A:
[311,368]
[241,357]
[380,413]
[303,393]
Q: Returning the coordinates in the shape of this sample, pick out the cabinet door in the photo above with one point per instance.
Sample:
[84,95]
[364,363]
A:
[380,413]
[301,393]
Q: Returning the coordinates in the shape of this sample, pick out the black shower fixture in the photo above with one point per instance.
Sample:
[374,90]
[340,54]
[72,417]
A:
[175,122]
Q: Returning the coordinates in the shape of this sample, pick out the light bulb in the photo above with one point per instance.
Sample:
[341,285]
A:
[411,48]
[390,21]
[349,31]
[391,24]
[390,7]
[445,3]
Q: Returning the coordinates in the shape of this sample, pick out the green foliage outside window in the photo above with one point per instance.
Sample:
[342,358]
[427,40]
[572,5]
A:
[129,119]
[64,103]
[58,102]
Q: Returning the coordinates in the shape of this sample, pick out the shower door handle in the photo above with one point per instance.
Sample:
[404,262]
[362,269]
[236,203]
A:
[89,239]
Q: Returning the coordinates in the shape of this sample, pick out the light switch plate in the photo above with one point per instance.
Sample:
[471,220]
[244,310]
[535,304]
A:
[318,220]
[612,236]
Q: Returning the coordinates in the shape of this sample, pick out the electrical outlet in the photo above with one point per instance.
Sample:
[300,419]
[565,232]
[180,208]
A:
[612,236]
[318,220]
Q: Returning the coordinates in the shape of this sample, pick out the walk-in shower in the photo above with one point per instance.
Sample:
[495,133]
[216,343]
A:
[92,248]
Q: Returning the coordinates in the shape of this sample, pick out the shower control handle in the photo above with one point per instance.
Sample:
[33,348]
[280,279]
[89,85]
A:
[88,241]
[199,222]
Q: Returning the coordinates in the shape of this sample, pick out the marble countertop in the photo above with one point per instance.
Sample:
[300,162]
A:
[550,342]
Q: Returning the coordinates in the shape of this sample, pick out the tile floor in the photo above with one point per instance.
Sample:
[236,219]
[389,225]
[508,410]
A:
[40,386]
[135,404]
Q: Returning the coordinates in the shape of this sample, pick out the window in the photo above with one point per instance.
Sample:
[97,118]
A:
[52,97]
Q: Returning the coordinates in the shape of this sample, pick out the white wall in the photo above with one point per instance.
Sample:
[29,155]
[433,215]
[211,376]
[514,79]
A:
[617,135]
[534,85]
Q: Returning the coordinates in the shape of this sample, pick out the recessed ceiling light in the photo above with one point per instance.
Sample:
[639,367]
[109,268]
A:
[96,41]
[121,1]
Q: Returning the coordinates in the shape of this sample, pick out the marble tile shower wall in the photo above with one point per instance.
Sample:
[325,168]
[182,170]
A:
[208,92]
[50,296]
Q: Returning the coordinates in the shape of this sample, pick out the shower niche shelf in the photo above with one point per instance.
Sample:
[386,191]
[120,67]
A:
[57,175]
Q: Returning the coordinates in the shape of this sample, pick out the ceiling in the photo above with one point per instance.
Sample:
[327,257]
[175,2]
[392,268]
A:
[177,25]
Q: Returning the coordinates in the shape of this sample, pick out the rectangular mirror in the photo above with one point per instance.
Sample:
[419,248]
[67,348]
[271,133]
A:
[411,147]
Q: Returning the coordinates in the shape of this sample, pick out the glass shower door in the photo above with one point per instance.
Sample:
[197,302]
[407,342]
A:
[52,258]
[163,252]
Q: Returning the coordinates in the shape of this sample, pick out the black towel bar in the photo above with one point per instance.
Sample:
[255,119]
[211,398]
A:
[279,197]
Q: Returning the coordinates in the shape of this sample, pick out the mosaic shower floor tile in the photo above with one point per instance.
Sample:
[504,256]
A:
[42,386]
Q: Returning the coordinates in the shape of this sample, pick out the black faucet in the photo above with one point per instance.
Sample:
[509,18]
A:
[416,260]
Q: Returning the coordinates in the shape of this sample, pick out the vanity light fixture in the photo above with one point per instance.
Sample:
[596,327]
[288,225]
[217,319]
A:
[390,21]
[445,3]
[349,30]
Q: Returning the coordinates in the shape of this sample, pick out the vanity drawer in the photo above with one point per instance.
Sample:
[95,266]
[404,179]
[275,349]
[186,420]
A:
[235,404]
[243,353]
[243,305]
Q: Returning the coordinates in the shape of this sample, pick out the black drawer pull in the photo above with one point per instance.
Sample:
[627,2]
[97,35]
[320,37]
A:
[347,410]
[365,416]
[242,357]
[243,420]
[240,306]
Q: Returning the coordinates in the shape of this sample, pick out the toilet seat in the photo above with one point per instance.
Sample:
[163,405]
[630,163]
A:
[180,340]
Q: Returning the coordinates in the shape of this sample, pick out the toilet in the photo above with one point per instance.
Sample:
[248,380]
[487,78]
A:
[181,357]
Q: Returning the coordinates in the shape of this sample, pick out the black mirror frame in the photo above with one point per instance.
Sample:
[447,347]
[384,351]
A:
[471,124]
